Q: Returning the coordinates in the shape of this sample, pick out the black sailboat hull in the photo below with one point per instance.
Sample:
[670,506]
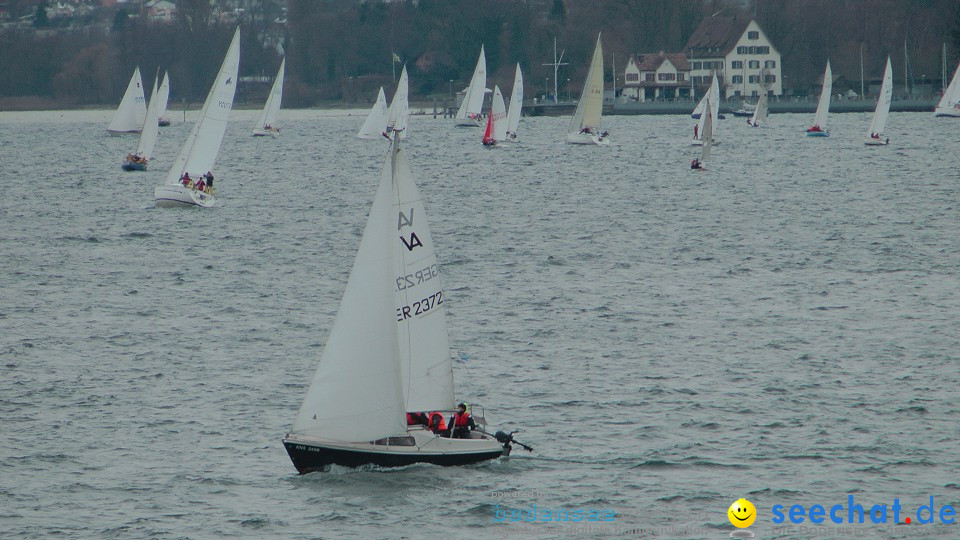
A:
[308,458]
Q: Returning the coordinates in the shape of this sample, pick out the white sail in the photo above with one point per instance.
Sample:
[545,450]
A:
[498,116]
[356,393]
[426,366]
[698,111]
[373,126]
[163,95]
[199,152]
[707,133]
[950,102]
[399,111]
[590,106]
[132,109]
[760,113]
[473,100]
[151,126]
[268,117]
[880,115]
[714,104]
[516,103]
[823,106]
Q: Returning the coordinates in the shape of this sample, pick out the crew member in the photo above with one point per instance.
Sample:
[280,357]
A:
[461,423]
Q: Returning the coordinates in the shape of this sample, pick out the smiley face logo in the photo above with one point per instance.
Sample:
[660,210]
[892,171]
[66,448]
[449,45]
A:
[742,513]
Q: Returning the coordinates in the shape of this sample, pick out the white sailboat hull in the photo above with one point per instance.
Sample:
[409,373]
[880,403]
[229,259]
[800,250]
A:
[587,138]
[876,142]
[950,112]
[469,122]
[266,132]
[418,445]
[169,196]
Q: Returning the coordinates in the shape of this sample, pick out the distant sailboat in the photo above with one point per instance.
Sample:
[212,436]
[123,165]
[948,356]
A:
[399,112]
[496,121]
[713,98]
[163,94]
[759,117]
[875,135]
[387,353]
[516,104]
[950,102]
[138,160]
[182,186]
[375,124]
[132,109]
[713,93]
[470,110]
[585,126]
[266,126]
[706,136]
[819,127]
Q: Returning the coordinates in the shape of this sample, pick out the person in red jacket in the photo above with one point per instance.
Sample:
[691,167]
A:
[436,423]
[461,423]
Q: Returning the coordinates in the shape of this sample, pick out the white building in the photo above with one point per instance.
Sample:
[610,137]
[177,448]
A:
[744,59]
[650,77]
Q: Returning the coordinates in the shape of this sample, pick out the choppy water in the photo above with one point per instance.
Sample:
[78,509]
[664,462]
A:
[783,327]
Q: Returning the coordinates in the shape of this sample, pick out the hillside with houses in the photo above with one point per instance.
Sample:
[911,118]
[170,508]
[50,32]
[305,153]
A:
[80,52]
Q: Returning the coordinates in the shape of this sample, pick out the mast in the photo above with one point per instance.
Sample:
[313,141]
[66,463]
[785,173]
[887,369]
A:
[556,67]
[943,71]
[861,72]
[906,63]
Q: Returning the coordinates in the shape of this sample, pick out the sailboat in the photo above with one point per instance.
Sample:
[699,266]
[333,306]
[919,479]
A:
[496,121]
[182,186]
[875,135]
[516,105]
[375,124]
[163,94]
[387,352]
[950,102]
[585,125]
[138,160]
[706,136]
[470,109]
[759,117]
[265,127]
[399,111]
[819,127]
[713,98]
[132,108]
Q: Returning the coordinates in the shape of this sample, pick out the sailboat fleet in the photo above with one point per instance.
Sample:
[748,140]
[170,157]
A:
[387,357]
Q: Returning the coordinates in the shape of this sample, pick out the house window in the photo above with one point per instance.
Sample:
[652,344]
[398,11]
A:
[679,76]
[633,77]
[736,64]
[763,50]
[753,35]
[754,64]
[697,65]
[737,79]
[667,76]
[771,78]
[697,80]
[770,64]
[741,50]
[754,79]
[650,76]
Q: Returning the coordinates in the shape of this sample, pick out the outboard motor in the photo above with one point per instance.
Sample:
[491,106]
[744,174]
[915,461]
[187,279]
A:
[506,438]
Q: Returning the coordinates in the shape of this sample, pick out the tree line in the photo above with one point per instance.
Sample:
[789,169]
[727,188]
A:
[343,51]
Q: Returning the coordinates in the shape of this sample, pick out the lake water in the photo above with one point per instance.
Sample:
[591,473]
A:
[783,327]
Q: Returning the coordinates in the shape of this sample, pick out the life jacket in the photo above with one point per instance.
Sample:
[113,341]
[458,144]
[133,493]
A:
[440,424]
[412,419]
[461,420]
